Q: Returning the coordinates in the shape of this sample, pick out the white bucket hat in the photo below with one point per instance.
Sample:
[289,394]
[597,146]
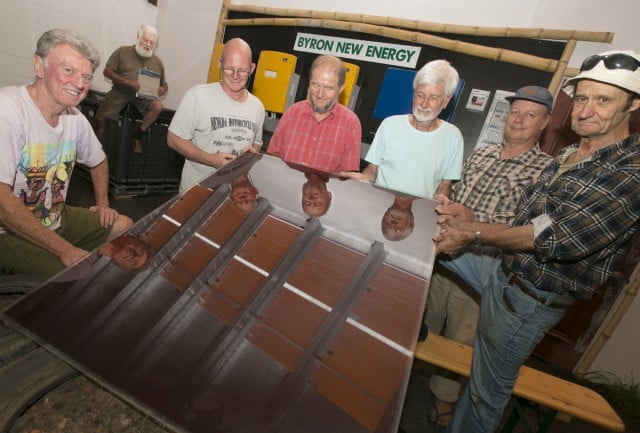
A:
[619,68]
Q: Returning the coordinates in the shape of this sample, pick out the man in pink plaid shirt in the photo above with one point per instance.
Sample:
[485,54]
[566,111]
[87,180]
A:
[318,132]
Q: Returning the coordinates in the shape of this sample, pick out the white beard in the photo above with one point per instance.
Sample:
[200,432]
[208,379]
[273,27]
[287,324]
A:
[422,116]
[143,52]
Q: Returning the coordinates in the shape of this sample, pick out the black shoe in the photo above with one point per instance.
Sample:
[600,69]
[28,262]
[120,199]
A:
[424,331]
[137,145]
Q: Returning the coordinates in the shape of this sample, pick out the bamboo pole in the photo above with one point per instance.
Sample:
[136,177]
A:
[213,74]
[423,26]
[560,72]
[630,293]
[497,54]
[224,14]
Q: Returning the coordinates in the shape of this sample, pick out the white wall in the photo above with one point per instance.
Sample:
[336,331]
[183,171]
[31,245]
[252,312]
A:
[619,16]
[621,354]
[187,27]
[107,23]
[187,30]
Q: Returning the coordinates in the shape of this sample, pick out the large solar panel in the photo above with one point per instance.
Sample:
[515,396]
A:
[264,320]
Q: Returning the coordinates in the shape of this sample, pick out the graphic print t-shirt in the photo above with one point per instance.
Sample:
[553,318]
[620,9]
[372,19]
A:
[38,159]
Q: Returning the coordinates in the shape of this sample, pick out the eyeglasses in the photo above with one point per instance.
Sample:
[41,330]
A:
[228,70]
[434,99]
[611,61]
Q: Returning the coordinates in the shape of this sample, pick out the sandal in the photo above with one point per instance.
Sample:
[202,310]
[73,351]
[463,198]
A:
[440,420]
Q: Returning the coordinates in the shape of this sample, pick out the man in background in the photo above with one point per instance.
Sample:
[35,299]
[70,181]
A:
[43,137]
[319,132]
[124,69]
[217,122]
[493,178]
[419,153]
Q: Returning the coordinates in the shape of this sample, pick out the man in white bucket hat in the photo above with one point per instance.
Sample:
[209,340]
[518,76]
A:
[570,233]
[619,68]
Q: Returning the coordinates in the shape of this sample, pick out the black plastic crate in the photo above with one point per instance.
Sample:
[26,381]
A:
[156,170]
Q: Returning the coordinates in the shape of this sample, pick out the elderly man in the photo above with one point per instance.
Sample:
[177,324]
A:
[217,122]
[419,153]
[43,137]
[124,68]
[571,230]
[319,132]
[493,178]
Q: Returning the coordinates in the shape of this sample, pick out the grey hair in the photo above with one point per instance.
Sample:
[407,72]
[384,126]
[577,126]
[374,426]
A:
[147,29]
[54,37]
[436,72]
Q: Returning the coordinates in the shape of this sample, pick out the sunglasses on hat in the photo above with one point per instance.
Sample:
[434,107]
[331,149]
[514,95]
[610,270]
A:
[611,61]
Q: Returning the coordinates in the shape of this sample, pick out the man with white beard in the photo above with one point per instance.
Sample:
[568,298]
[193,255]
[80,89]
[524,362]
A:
[419,153]
[123,68]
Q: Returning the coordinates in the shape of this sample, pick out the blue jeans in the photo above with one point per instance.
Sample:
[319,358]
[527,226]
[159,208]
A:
[510,326]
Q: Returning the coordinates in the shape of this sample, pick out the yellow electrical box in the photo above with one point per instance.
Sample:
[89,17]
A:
[272,78]
[349,83]
[214,67]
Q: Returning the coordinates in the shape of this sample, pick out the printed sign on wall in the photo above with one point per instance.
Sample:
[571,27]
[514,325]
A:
[368,51]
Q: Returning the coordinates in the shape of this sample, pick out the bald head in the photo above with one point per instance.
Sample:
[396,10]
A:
[236,47]
[236,66]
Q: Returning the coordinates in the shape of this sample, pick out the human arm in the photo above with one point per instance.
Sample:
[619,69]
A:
[254,148]
[451,169]
[456,210]
[444,188]
[258,142]
[16,218]
[455,235]
[369,174]
[119,79]
[276,143]
[353,141]
[192,152]
[163,89]
[100,180]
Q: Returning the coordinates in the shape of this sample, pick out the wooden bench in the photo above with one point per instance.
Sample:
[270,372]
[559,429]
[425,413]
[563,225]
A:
[553,393]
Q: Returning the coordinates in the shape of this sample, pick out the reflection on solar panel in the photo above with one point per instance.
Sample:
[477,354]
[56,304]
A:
[260,321]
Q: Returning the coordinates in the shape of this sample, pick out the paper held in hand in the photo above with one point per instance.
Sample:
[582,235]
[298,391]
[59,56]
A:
[149,82]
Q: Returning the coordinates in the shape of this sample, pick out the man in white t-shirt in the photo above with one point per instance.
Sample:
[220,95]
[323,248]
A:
[217,122]
[43,136]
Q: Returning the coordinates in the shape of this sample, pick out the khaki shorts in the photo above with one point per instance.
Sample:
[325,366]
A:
[80,227]
[117,99]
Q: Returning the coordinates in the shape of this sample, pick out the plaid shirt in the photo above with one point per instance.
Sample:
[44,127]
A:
[331,145]
[593,210]
[492,187]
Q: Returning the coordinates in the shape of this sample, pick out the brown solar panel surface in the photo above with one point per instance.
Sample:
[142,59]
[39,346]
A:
[243,323]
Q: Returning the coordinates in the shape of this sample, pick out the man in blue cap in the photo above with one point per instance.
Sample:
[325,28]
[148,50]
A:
[572,229]
[492,181]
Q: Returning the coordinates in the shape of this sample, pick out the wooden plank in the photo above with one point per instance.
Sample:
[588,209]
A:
[534,385]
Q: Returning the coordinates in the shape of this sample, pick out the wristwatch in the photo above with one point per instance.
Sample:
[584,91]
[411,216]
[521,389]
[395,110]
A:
[476,238]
